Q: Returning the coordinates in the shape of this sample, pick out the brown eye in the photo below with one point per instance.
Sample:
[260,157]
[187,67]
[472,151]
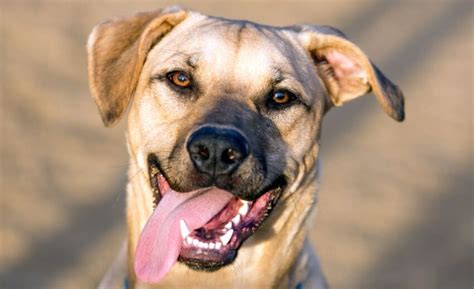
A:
[180,79]
[282,97]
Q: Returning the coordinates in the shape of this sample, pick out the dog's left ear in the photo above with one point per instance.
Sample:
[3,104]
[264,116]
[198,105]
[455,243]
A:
[117,50]
[347,72]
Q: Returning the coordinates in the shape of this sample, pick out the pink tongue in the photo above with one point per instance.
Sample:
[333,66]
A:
[160,241]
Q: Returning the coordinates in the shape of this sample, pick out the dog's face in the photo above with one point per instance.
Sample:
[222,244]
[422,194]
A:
[225,122]
[224,104]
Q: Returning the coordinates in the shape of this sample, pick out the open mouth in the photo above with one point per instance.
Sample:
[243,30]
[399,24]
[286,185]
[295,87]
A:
[206,226]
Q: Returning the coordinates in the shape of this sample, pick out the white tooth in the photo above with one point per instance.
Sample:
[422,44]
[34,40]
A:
[236,219]
[218,245]
[201,245]
[228,225]
[189,240]
[226,238]
[195,242]
[211,245]
[184,229]
[244,209]
[206,246]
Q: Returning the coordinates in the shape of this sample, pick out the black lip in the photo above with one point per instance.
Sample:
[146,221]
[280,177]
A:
[276,188]
[209,266]
[154,169]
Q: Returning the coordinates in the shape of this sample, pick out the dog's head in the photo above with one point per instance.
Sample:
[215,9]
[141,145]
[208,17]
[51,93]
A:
[225,120]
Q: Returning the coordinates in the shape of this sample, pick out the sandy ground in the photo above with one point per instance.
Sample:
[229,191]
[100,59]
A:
[396,205]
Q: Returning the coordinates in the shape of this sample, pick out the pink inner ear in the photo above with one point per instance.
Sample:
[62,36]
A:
[350,79]
[344,68]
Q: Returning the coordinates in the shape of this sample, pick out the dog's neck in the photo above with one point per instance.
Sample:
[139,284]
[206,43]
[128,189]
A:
[265,260]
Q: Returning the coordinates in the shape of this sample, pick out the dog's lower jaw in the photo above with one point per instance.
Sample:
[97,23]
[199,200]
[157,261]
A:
[265,260]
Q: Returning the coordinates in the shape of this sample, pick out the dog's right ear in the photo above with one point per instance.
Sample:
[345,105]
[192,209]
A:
[117,50]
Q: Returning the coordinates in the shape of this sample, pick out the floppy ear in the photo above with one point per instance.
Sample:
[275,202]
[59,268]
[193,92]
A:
[116,52]
[346,71]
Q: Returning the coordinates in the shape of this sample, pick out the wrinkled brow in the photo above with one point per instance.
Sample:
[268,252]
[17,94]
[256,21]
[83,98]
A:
[189,59]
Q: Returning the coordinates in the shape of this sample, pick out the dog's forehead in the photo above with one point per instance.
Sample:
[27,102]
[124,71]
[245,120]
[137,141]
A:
[232,47]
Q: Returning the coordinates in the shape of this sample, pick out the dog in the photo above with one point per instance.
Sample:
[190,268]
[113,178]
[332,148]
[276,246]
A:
[224,122]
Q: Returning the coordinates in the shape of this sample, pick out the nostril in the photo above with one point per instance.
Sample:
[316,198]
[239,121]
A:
[229,156]
[203,152]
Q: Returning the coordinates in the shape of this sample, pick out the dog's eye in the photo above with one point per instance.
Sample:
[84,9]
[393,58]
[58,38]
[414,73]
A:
[180,79]
[281,98]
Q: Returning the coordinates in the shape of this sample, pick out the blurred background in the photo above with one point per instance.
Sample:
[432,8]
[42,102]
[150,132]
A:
[396,200]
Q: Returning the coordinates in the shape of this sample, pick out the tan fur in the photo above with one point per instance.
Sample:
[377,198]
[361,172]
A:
[233,62]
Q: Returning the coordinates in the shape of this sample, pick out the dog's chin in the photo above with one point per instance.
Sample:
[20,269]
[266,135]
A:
[216,244]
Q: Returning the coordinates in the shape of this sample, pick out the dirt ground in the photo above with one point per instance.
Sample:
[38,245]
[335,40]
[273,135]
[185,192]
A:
[396,200]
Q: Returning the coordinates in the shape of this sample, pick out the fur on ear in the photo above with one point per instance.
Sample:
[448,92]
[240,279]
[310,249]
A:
[346,71]
[117,50]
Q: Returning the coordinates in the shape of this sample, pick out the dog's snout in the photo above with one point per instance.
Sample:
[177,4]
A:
[217,151]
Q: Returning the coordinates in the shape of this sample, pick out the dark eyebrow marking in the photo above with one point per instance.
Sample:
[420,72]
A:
[277,76]
[191,61]
[183,57]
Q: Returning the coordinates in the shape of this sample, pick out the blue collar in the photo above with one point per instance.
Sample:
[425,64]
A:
[125,284]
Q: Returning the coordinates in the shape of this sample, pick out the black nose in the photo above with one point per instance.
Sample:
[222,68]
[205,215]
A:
[217,151]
